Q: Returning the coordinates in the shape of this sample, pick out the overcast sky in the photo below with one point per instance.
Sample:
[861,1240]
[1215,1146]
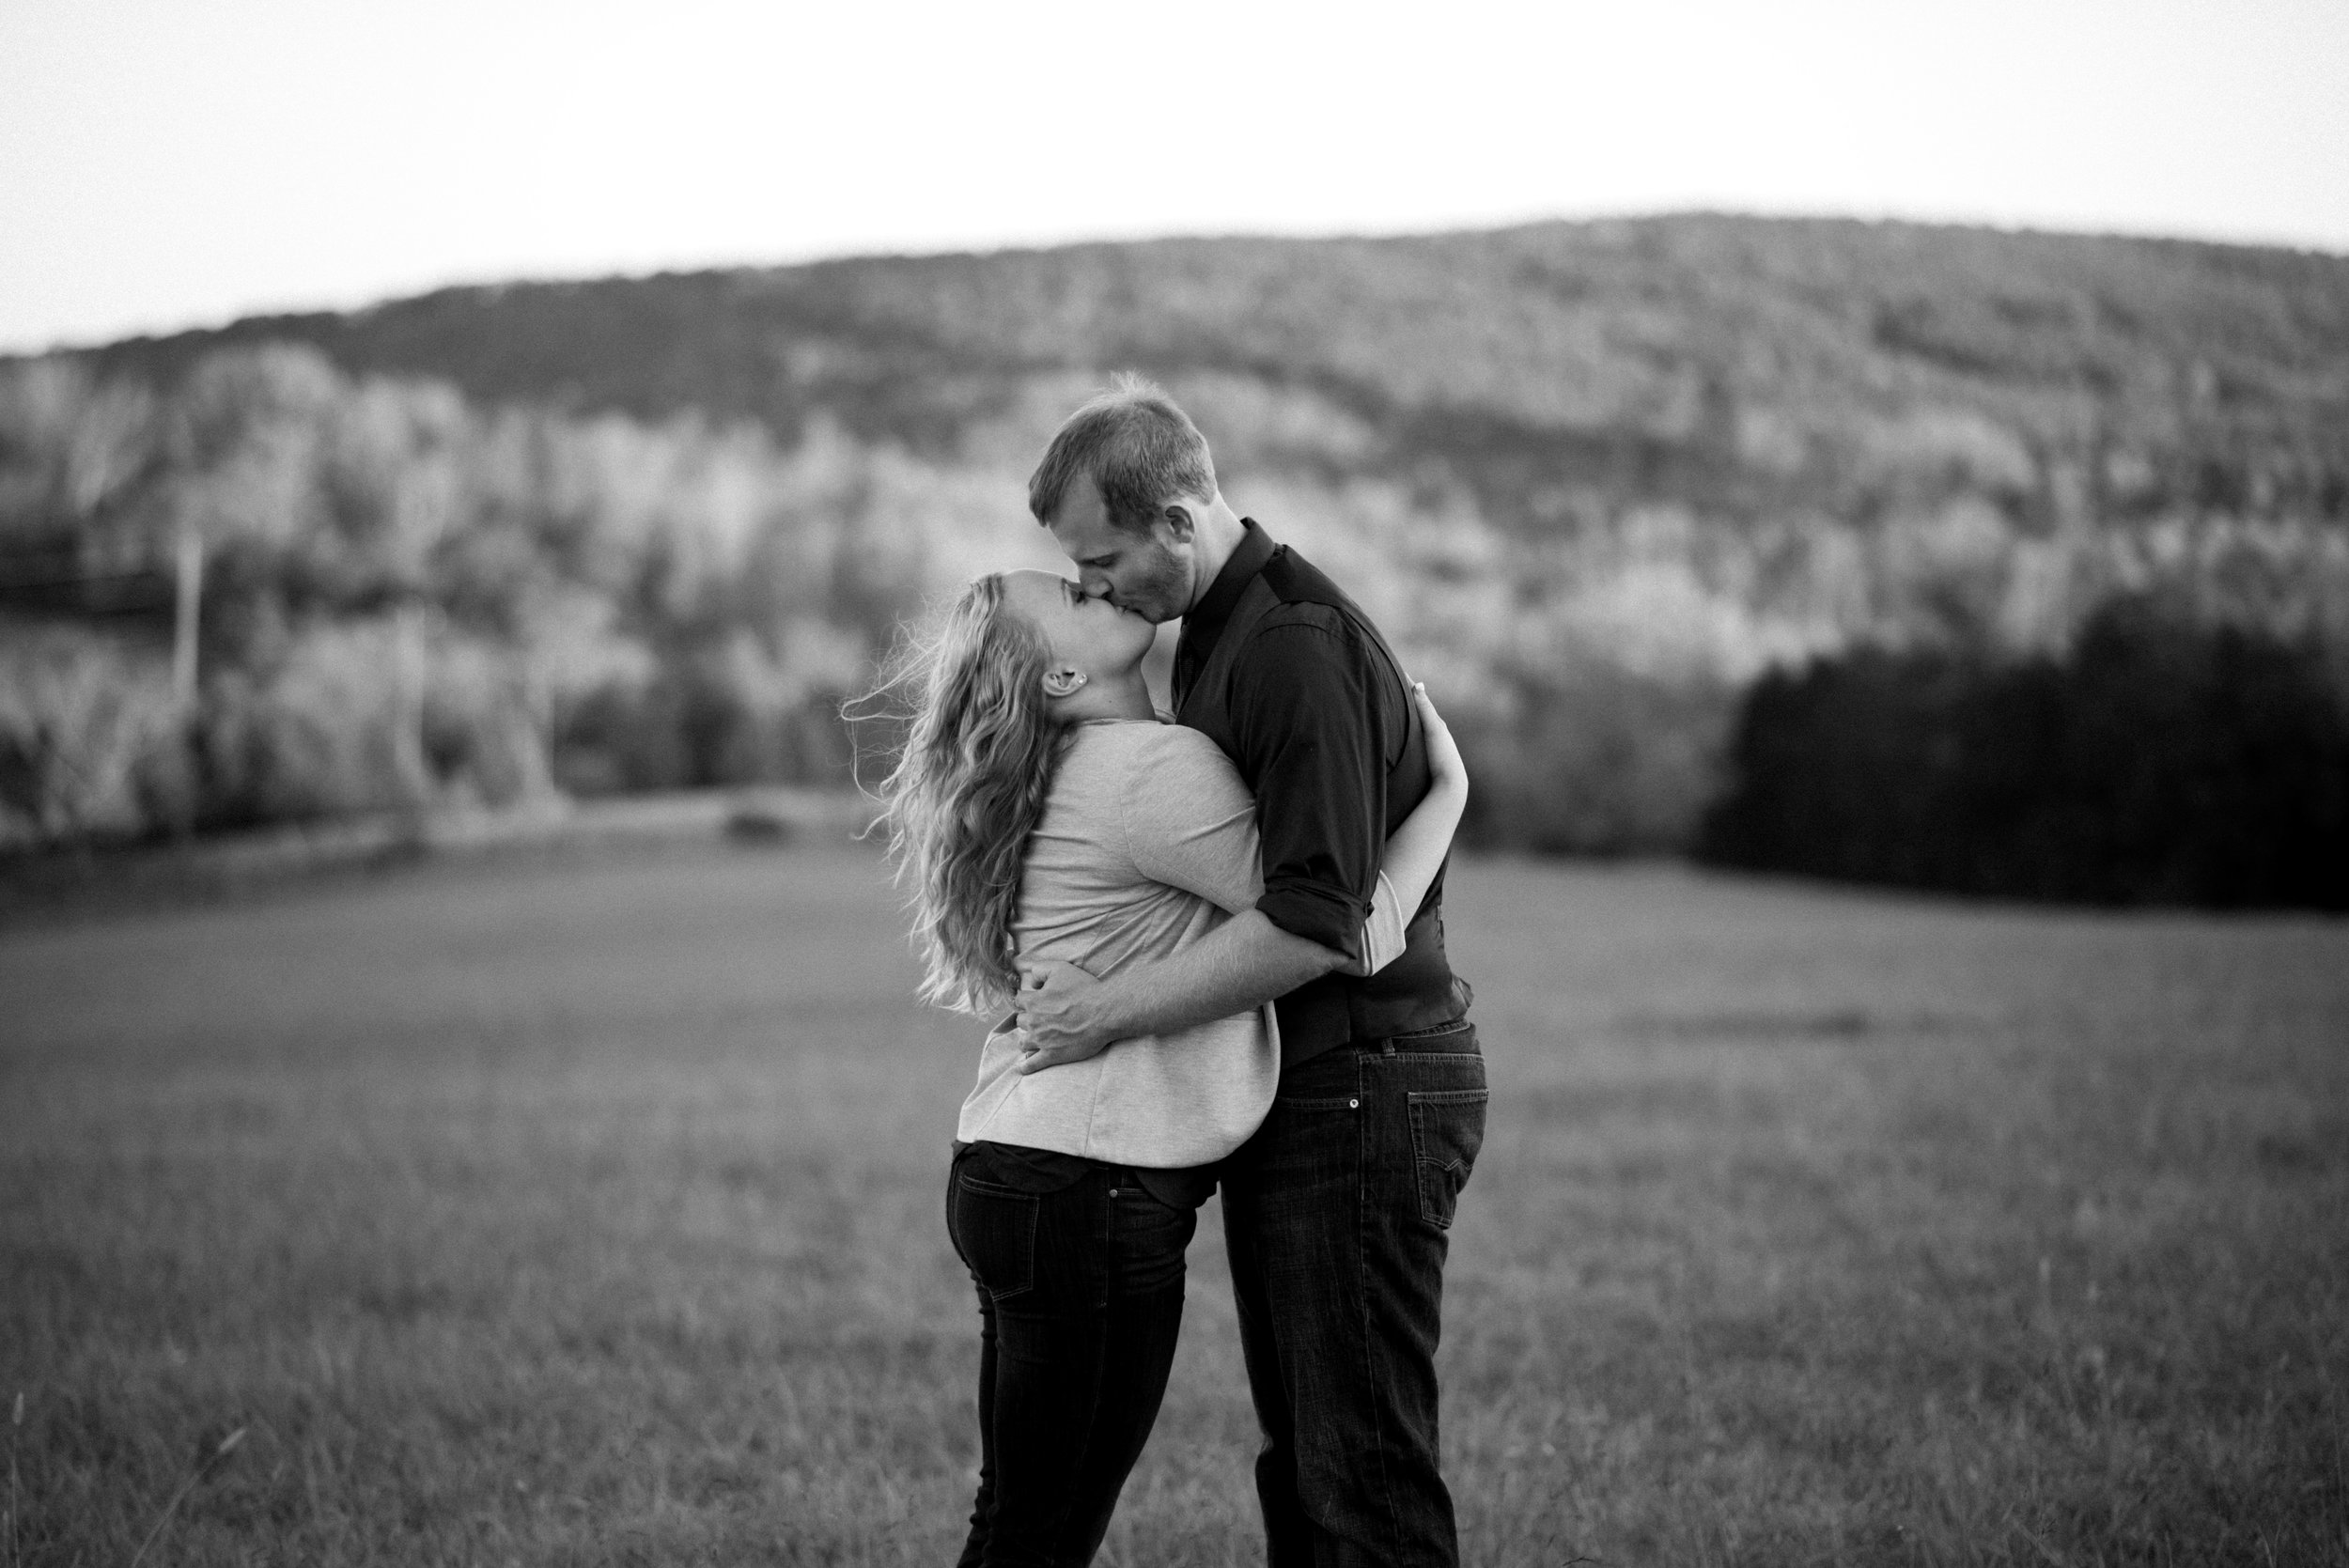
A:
[168,164]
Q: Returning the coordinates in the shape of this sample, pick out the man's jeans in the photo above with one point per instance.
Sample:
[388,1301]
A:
[1080,1297]
[1335,1214]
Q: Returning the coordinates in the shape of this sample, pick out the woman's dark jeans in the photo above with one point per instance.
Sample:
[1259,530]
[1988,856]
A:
[1080,1297]
[1336,1214]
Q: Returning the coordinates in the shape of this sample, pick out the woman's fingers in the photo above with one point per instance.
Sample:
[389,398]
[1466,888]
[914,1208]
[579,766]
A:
[1427,708]
[1443,751]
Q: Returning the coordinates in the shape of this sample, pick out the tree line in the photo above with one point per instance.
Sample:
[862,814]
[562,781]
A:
[2156,760]
[267,589]
[408,601]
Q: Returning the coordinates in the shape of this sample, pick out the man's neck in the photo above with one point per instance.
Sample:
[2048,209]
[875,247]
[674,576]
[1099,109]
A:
[1220,533]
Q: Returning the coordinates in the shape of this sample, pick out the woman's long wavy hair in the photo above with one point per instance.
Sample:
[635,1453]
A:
[968,788]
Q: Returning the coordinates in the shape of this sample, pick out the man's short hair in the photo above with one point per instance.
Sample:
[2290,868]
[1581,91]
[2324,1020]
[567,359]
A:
[1137,447]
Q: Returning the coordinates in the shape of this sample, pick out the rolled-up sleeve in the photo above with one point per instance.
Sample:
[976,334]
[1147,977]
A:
[1304,716]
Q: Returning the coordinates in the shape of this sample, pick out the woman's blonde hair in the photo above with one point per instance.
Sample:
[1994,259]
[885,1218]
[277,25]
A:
[967,788]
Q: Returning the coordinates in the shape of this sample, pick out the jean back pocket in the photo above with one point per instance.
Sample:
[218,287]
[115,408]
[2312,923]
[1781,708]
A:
[993,1228]
[1447,1130]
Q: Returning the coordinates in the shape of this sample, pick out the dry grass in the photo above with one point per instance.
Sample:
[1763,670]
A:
[588,1212]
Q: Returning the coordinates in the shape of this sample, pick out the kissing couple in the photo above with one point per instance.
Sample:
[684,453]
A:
[1217,945]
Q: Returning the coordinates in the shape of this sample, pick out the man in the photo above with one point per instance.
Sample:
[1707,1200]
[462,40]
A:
[1335,1212]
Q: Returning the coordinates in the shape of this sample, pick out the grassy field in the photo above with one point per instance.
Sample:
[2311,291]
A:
[589,1211]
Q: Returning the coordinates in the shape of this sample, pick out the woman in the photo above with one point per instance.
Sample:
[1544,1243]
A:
[1040,811]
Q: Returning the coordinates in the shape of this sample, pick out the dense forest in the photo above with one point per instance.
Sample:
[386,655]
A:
[2153,761]
[1610,485]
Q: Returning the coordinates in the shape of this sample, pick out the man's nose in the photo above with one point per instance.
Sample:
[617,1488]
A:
[1094,587]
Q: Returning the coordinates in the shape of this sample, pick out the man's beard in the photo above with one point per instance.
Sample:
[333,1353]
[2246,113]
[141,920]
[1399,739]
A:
[1164,591]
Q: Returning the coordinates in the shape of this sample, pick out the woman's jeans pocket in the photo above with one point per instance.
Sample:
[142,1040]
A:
[993,1228]
[1447,1130]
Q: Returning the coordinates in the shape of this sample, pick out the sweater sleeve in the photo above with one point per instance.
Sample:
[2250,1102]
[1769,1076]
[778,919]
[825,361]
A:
[1383,936]
[1190,822]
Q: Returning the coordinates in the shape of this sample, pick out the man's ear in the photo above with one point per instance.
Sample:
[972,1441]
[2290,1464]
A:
[1177,519]
[1062,683]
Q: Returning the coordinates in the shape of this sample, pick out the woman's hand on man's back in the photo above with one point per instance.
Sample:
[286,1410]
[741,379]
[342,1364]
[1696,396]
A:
[1443,753]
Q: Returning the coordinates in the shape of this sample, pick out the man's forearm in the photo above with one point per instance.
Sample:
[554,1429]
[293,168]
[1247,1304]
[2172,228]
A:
[1243,963]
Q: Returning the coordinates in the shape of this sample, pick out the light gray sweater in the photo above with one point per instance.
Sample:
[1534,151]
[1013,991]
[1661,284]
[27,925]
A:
[1147,843]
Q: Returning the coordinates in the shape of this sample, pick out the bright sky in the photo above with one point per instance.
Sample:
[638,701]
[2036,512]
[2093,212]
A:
[175,162]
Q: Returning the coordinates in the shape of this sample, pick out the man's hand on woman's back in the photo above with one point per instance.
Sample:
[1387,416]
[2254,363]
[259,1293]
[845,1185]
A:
[1054,1011]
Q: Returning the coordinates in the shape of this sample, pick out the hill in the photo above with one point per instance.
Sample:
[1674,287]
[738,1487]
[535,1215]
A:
[1737,363]
[1596,479]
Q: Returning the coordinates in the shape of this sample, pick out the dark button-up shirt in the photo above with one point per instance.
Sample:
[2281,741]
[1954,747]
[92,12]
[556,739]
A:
[1320,725]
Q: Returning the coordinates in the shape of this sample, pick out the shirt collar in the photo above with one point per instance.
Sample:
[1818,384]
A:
[1214,608]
